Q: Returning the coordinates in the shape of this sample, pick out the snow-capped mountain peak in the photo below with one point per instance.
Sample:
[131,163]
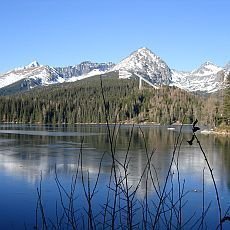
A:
[141,55]
[143,61]
[144,51]
[206,68]
[32,65]
[207,78]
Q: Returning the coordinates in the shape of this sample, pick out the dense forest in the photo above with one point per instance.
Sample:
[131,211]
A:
[226,104]
[82,102]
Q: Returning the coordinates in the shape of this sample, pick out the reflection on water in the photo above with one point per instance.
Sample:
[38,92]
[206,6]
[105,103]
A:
[28,150]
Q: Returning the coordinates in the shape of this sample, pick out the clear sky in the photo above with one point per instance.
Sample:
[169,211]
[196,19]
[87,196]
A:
[184,33]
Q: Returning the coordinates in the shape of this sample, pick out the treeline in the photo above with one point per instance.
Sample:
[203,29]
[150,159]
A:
[82,102]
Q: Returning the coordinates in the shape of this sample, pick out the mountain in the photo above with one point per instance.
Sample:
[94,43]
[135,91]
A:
[143,63]
[208,68]
[38,74]
[83,69]
[34,75]
[208,78]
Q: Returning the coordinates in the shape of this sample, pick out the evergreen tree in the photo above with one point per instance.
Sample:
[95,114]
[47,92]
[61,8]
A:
[226,109]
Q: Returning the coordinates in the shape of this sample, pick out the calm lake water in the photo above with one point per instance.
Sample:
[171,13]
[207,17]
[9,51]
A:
[28,152]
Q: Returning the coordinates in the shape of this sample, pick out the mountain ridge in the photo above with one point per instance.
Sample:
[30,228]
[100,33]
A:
[207,78]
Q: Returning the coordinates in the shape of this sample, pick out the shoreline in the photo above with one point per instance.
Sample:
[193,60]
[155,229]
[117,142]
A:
[204,132]
[213,132]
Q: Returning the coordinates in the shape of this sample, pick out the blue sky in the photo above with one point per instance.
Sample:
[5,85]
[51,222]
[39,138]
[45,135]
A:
[66,32]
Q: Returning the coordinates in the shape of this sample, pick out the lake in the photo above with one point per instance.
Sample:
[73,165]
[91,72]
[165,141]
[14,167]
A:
[41,164]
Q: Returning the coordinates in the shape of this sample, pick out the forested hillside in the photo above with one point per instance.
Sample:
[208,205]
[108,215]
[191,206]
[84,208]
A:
[82,102]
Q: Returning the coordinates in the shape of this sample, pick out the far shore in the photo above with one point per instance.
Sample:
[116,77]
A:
[223,132]
[215,132]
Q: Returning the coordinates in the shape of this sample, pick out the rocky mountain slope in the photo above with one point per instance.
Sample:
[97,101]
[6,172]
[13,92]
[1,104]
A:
[83,69]
[207,78]
[38,74]
[147,64]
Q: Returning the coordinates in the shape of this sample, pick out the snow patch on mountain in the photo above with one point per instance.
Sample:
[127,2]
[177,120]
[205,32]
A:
[46,75]
[204,83]
[73,72]
[9,79]
[92,73]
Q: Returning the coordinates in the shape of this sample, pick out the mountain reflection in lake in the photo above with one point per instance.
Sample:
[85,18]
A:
[26,151]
